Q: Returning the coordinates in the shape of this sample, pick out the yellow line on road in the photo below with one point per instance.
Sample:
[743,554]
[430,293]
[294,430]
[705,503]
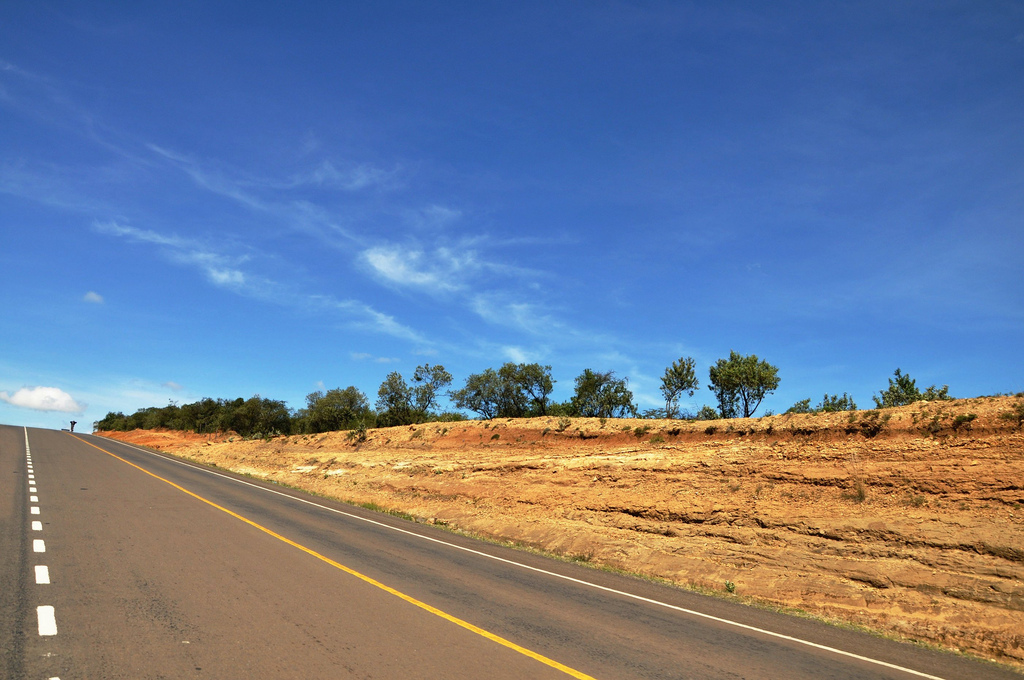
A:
[411,600]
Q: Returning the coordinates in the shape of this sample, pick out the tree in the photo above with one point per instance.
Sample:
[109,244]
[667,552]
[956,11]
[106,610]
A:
[394,401]
[257,416]
[481,394]
[227,412]
[678,378]
[114,421]
[513,391]
[602,395]
[740,383]
[428,381]
[337,409]
[833,402]
[202,416]
[528,387]
[903,390]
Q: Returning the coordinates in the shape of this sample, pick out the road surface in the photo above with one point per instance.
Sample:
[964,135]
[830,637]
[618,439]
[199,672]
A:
[117,562]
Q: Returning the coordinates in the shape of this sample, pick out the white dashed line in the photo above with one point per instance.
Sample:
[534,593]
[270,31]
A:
[47,620]
[42,574]
[45,613]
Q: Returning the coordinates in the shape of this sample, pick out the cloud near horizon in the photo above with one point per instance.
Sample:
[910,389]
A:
[43,399]
[93,297]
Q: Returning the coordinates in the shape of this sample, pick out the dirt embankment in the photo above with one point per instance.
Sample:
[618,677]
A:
[907,520]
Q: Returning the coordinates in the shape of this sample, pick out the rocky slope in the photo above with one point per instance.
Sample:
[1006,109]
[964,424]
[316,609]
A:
[907,520]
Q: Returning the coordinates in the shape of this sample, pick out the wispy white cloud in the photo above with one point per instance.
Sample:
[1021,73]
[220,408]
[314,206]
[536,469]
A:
[439,271]
[446,269]
[364,317]
[219,269]
[262,194]
[523,316]
[364,356]
[93,297]
[350,177]
[208,179]
[43,399]
[516,354]
[226,272]
[170,384]
[433,217]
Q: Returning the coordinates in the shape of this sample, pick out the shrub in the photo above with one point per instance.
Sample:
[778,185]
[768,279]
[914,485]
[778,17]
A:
[802,406]
[831,403]
[707,413]
[858,493]
[873,423]
[964,421]
[357,435]
[903,390]
[1016,415]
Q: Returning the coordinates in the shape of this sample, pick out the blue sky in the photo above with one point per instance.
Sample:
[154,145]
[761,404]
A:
[224,199]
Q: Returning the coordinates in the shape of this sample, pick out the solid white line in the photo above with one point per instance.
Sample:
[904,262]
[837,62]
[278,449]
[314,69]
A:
[33,499]
[691,612]
[34,510]
[47,620]
[37,526]
[42,574]
[38,545]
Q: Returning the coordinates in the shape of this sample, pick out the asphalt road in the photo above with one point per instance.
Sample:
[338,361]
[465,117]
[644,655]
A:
[155,568]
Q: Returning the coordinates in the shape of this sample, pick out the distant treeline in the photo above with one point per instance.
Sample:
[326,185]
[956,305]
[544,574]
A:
[738,383]
[512,391]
